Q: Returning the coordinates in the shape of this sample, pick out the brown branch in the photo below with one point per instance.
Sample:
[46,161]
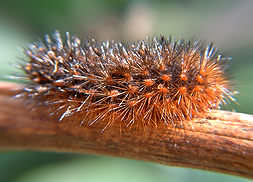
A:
[222,142]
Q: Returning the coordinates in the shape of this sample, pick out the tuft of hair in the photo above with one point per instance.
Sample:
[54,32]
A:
[148,83]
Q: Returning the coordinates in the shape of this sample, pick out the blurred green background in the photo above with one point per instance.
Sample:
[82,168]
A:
[228,23]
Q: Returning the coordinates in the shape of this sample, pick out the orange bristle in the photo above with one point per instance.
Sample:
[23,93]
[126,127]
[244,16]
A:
[146,83]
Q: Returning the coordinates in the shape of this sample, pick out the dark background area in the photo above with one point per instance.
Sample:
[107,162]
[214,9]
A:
[227,23]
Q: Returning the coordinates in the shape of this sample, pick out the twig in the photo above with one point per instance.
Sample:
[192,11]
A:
[223,141]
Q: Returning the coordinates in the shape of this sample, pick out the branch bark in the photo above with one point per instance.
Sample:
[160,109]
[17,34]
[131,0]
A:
[222,141]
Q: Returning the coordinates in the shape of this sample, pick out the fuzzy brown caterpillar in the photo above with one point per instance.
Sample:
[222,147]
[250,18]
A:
[145,83]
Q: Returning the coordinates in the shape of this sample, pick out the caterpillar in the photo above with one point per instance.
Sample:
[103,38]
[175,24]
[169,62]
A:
[155,82]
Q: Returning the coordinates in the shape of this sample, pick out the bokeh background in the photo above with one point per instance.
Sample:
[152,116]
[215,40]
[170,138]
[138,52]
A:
[227,23]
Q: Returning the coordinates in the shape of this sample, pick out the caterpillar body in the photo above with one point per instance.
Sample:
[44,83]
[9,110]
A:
[152,82]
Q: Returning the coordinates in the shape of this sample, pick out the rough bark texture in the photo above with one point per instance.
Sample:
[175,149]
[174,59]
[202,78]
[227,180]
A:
[222,141]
